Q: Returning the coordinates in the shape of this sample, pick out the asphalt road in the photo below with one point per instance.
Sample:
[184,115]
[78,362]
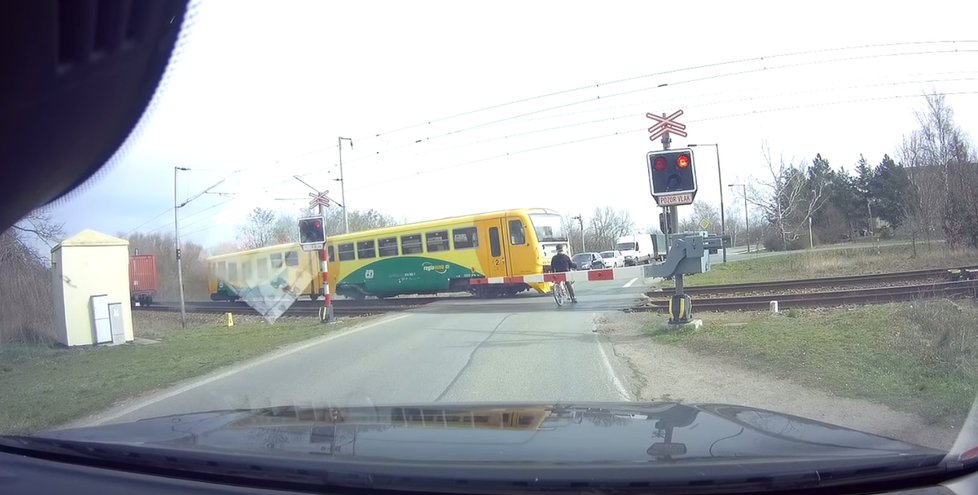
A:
[523,348]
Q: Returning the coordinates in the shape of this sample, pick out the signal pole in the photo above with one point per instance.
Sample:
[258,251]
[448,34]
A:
[321,200]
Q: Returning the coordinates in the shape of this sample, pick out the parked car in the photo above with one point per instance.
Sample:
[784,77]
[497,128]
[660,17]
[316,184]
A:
[612,259]
[585,261]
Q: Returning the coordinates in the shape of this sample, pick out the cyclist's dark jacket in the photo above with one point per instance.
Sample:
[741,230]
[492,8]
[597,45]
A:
[561,263]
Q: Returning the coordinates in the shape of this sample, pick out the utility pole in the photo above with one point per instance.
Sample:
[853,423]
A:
[346,219]
[580,221]
[176,236]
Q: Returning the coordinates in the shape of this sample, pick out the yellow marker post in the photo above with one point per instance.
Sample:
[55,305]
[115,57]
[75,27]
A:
[230,320]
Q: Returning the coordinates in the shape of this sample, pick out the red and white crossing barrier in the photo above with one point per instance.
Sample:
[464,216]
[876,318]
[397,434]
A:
[626,273]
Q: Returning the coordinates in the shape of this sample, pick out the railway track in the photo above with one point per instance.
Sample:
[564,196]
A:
[300,308]
[873,295]
[848,281]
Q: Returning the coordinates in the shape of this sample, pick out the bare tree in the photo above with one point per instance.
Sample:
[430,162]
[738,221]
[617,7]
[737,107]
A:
[285,229]
[574,233]
[360,220]
[734,225]
[25,278]
[940,163]
[606,226]
[788,199]
[259,230]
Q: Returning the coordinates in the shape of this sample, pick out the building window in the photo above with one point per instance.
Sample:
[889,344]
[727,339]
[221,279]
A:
[465,238]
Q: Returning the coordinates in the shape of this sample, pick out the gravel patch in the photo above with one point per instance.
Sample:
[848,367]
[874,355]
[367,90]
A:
[663,372]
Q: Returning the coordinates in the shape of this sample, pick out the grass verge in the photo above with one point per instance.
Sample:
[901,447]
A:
[918,357]
[850,260]
[42,386]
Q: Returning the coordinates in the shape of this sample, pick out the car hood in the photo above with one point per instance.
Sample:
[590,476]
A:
[659,432]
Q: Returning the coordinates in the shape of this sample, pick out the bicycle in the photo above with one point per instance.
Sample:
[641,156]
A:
[560,293]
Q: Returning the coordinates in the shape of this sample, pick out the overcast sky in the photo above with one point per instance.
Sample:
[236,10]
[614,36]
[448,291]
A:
[461,107]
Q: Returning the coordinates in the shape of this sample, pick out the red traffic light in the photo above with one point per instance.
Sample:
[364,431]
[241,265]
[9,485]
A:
[682,162]
[660,164]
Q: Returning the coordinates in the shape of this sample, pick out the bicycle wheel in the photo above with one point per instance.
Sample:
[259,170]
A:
[559,293]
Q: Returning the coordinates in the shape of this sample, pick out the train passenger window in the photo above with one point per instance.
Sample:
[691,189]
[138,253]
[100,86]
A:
[494,247]
[366,249]
[276,259]
[261,264]
[329,253]
[387,246]
[516,234]
[222,270]
[292,258]
[232,272]
[346,252]
[411,244]
[246,270]
[437,241]
[465,238]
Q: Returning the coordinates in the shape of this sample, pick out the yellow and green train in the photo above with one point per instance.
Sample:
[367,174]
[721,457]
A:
[421,258]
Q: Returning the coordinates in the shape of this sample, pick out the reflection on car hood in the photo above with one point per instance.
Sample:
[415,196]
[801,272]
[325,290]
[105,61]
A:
[661,432]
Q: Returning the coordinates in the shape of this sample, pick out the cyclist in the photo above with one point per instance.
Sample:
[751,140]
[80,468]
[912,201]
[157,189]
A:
[562,263]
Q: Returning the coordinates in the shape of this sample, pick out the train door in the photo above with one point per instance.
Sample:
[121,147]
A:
[521,255]
[492,255]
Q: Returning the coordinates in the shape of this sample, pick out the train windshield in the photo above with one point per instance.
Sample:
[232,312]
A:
[548,227]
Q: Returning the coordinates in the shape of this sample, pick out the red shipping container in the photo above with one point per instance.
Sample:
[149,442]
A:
[142,278]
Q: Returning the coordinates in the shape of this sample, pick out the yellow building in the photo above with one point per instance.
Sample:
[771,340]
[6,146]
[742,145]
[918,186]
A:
[91,290]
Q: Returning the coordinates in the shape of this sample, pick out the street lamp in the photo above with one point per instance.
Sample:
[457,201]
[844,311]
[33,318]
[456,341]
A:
[746,217]
[580,220]
[346,219]
[723,223]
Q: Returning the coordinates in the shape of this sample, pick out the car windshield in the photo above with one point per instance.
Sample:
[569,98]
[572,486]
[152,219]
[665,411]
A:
[331,233]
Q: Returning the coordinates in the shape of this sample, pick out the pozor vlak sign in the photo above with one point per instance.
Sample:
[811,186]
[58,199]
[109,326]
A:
[672,176]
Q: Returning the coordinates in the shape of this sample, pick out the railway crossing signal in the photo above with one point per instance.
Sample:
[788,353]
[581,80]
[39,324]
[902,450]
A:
[672,176]
[312,233]
[666,125]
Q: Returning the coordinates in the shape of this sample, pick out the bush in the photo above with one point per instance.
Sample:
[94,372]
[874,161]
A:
[772,242]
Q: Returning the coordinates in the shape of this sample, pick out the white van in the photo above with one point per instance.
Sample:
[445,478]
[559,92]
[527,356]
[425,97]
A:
[638,249]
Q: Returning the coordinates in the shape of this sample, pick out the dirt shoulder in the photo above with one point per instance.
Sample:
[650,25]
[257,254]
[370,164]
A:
[665,372]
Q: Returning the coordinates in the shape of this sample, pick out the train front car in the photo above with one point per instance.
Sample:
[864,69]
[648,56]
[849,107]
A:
[548,233]
[446,255]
